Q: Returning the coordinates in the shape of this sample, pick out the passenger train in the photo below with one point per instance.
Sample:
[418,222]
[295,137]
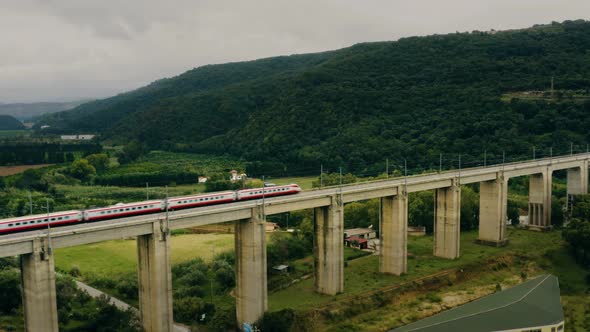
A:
[120,210]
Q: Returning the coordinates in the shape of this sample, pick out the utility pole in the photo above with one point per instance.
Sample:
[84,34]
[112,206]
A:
[440,163]
[167,219]
[503,159]
[387,167]
[534,152]
[263,200]
[552,86]
[340,176]
[30,203]
[49,249]
[485,158]
[459,168]
[321,175]
[405,173]
[147,191]
[571,148]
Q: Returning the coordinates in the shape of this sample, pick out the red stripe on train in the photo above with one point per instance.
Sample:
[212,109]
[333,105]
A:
[38,226]
[123,214]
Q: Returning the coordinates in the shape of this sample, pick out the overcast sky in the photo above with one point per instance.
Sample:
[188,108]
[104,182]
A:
[52,50]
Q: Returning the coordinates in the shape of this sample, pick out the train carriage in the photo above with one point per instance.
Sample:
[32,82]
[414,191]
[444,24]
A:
[39,221]
[258,193]
[124,210]
[186,202]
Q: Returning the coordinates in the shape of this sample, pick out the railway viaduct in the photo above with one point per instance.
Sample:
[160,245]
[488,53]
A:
[153,240]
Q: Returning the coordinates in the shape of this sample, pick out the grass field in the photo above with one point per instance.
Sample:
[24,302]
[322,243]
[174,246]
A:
[120,257]
[361,275]
[304,182]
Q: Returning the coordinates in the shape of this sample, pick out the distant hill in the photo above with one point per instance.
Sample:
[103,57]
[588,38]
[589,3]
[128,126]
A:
[27,111]
[411,98]
[8,122]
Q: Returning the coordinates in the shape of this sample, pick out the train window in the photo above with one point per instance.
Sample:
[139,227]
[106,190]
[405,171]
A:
[60,218]
[18,223]
[45,219]
[24,223]
[10,225]
[52,219]
[132,208]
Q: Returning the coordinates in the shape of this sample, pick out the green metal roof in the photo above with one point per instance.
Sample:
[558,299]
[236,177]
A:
[530,304]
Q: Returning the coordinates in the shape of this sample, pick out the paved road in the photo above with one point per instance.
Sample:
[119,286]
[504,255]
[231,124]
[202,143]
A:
[120,304]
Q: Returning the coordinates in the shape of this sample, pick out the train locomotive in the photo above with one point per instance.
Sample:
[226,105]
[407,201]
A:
[63,218]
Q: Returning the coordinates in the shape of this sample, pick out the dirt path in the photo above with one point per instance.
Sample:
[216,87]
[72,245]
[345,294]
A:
[122,305]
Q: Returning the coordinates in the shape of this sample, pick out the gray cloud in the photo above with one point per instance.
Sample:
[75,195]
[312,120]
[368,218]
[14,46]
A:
[68,49]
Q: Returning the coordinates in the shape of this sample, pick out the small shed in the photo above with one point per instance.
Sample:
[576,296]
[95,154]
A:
[281,269]
[356,242]
[416,230]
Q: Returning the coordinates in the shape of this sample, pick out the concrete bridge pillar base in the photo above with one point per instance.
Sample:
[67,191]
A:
[394,234]
[38,282]
[540,200]
[447,221]
[329,248]
[251,292]
[493,205]
[155,279]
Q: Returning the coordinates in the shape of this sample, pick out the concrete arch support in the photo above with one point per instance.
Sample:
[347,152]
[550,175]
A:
[540,200]
[251,292]
[155,279]
[394,234]
[493,205]
[329,248]
[38,282]
[447,222]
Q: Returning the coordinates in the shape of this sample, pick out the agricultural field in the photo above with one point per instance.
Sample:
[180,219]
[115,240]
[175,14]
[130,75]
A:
[156,161]
[14,133]
[11,170]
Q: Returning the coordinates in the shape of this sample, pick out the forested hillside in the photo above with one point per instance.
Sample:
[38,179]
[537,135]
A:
[460,93]
[8,122]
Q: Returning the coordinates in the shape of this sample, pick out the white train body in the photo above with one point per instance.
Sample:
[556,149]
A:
[25,223]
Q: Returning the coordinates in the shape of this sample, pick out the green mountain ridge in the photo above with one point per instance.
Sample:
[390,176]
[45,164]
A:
[413,98]
[8,122]
[28,111]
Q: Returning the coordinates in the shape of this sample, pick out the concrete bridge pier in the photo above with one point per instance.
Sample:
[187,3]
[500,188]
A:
[493,206]
[577,179]
[251,291]
[540,200]
[155,279]
[329,247]
[394,233]
[447,222]
[38,282]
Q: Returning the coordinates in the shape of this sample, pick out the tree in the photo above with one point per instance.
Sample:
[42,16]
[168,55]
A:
[82,170]
[9,291]
[100,161]
[469,208]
